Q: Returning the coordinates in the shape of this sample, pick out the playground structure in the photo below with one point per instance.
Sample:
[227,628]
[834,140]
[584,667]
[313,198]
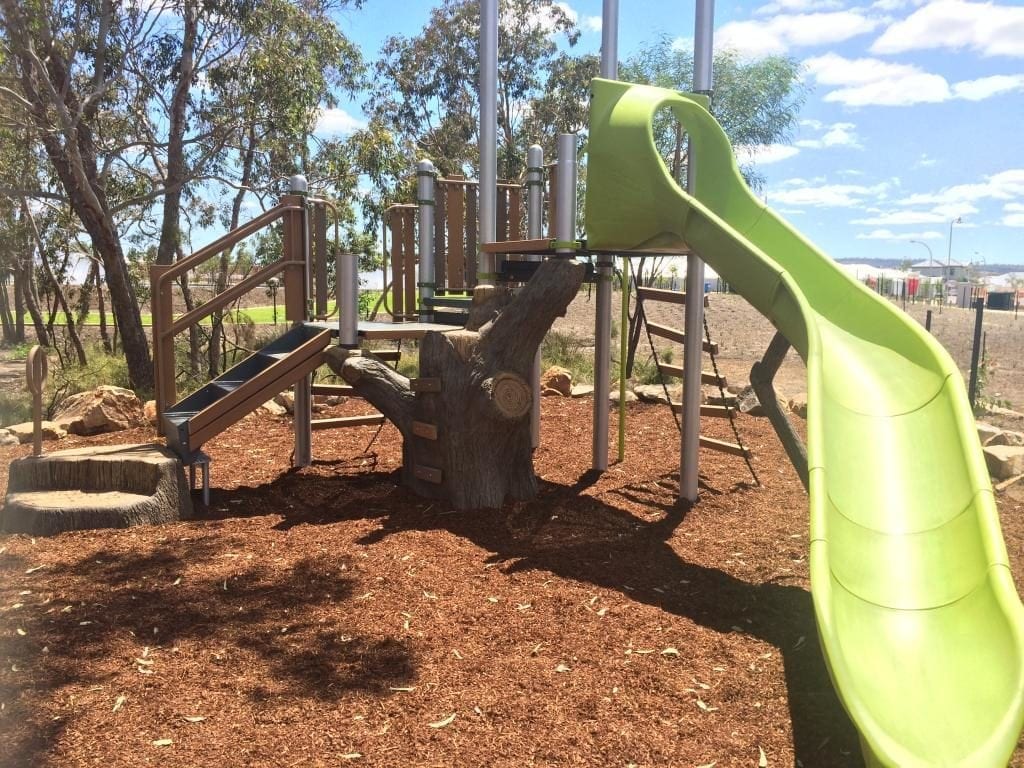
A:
[919,621]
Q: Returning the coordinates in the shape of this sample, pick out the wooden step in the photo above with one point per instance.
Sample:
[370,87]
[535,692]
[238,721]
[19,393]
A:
[713,411]
[427,384]
[370,420]
[424,430]
[705,377]
[333,389]
[723,446]
[662,294]
[674,334]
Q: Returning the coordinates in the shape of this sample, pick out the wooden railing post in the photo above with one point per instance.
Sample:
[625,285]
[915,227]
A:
[319,226]
[161,304]
[294,278]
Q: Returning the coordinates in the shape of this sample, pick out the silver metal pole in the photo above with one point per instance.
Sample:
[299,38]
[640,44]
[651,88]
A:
[565,209]
[610,40]
[535,231]
[302,414]
[703,50]
[603,303]
[488,134]
[347,270]
[425,176]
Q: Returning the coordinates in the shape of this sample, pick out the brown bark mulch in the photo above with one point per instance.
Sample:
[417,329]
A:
[327,617]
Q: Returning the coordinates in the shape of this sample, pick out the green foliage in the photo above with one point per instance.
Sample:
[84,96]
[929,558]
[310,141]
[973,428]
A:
[756,101]
[568,351]
[15,408]
[69,379]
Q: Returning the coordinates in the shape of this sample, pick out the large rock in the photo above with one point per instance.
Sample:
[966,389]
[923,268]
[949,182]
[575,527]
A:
[1007,437]
[104,409]
[6,438]
[582,390]
[1005,413]
[286,400]
[1004,461]
[109,486]
[613,396]
[149,412]
[750,404]
[558,379]
[24,432]
[986,432]
[655,393]
[273,408]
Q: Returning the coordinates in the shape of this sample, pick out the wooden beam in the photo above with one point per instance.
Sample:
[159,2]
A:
[425,385]
[662,294]
[673,334]
[676,371]
[724,447]
[713,411]
[370,420]
[456,267]
[332,389]
[397,223]
[424,430]
[539,245]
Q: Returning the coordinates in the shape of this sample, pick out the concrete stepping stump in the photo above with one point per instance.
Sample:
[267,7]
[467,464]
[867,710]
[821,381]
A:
[108,486]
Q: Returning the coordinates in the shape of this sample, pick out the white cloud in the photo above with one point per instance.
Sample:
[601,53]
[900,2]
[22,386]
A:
[1005,185]
[987,28]
[835,135]
[780,33]
[986,87]
[901,218]
[925,161]
[870,81]
[830,195]
[543,18]
[783,6]
[765,155]
[888,234]
[337,122]
[1013,215]
[592,23]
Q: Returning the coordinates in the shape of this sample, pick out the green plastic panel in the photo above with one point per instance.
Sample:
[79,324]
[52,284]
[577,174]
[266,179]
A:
[919,620]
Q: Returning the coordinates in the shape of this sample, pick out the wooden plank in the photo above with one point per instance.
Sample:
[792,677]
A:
[424,430]
[319,224]
[515,213]
[500,225]
[332,389]
[387,355]
[397,221]
[411,253]
[662,294]
[674,334]
[440,248]
[427,474]
[456,237]
[471,265]
[540,245]
[713,411]
[705,377]
[370,420]
[722,446]
[426,384]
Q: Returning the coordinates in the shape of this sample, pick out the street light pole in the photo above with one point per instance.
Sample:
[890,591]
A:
[949,251]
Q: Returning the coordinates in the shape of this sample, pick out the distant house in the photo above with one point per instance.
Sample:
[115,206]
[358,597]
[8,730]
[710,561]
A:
[934,268]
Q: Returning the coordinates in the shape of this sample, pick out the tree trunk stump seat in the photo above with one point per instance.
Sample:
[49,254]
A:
[108,486]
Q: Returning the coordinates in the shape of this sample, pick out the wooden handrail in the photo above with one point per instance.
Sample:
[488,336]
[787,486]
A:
[226,297]
[228,240]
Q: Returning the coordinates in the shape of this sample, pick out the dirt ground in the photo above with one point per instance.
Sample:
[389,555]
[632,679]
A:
[326,617]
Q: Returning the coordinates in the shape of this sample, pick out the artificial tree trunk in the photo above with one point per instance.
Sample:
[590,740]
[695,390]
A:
[469,443]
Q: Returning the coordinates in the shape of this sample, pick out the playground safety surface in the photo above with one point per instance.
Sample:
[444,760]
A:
[328,617]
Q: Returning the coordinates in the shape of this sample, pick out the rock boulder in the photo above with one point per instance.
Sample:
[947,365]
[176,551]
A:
[104,409]
[1004,461]
[558,379]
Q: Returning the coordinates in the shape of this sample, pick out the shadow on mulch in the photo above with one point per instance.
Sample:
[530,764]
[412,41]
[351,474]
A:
[161,599]
[579,537]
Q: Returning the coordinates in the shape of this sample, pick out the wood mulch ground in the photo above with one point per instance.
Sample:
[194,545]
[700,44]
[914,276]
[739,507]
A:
[326,617]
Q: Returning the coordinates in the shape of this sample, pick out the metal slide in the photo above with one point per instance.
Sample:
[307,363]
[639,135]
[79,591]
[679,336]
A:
[919,621]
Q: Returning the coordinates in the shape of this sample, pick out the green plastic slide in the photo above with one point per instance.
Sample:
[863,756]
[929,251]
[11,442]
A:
[919,621]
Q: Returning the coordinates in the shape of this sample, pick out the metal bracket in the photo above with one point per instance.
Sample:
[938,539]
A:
[762,377]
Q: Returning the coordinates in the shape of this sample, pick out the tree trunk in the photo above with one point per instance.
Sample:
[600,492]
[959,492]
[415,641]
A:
[19,305]
[29,294]
[102,309]
[5,309]
[470,443]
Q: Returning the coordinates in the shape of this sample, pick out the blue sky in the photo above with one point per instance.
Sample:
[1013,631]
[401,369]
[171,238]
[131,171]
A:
[914,118]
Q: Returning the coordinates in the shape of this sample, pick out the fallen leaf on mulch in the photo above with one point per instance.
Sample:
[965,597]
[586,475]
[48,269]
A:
[403,689]
[762,760]
[194,718]
[563,668]
[670,652]
[163,742]
[445,722]
[351,756]
[119,702]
